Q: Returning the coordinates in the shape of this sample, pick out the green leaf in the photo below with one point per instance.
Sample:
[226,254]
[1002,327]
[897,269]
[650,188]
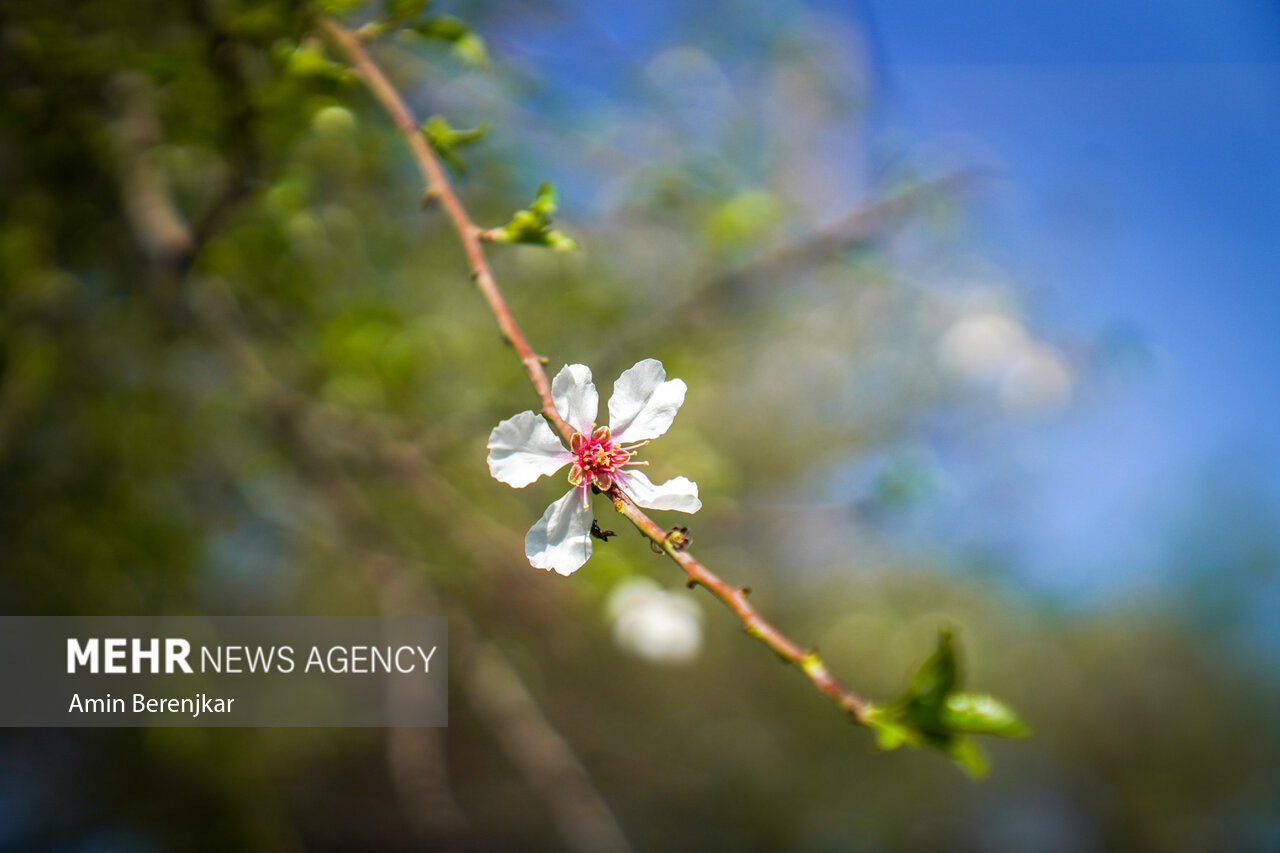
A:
[445,139]
[743,219]
[443,27]
[467,46]
[544,201]
[402,10]
[981,714]
[892,731]
[968,755]
[308,60]
[937,676]
[532,225]
[261,21]
[560,241]
[934,712]
[339,7]
[471,49]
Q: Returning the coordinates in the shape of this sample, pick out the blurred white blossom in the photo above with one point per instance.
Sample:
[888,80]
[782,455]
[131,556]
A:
[980,347]
[662,626]
[994,350]
[1037,380]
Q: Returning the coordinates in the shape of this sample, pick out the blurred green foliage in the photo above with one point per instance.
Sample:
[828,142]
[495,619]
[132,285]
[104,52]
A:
[242,371]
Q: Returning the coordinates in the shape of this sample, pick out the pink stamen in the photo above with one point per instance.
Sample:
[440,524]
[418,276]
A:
[596,459]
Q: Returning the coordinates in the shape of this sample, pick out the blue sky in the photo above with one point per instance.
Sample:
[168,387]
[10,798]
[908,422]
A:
[1142,139]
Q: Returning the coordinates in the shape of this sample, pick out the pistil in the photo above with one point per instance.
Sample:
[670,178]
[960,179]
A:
[596,459]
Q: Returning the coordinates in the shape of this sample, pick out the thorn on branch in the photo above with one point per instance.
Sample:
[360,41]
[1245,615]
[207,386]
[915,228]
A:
[602,535]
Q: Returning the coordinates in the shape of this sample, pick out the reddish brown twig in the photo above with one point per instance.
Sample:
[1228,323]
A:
[439,188]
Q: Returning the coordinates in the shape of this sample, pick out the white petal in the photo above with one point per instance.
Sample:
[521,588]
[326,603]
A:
[576,397]
[678,493]
[561,540]
[523,448]
[643,405]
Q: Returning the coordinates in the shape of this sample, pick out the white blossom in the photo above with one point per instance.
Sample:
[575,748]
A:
[524,448]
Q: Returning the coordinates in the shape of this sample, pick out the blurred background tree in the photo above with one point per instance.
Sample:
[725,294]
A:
[242,371]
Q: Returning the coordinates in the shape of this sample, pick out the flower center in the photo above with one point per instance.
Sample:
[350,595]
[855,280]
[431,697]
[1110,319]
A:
[596,459]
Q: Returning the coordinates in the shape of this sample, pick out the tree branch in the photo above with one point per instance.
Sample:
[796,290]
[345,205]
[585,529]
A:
[439,188]
[854,228]
[540,753]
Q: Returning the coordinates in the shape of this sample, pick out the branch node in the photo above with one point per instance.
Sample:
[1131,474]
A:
[814,667]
